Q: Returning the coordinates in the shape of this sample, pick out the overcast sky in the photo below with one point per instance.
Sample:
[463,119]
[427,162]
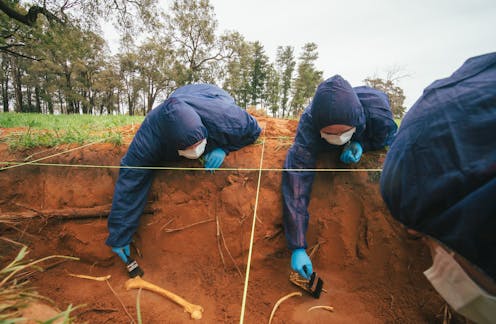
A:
[426,39]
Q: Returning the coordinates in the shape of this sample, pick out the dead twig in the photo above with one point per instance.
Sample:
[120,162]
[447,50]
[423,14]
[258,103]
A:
[11,241]
[446,314]
[103,310]
[280,301]
[229,252]
[314,249]
[218,240]
[170,230]
[65,214]
[120,301]
[135,247]
[165,225]
[273,234]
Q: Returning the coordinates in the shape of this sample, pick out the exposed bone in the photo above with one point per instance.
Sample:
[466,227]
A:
[329,308]
[107,277]
[280,301]
[136,283]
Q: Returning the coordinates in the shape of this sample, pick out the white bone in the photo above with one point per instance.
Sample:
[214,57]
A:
[136,283]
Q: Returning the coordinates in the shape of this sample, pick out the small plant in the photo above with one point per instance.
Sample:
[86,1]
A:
[15,294]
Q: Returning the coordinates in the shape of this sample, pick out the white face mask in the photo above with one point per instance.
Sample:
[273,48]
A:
[338,139]
[195,152]
[459,290]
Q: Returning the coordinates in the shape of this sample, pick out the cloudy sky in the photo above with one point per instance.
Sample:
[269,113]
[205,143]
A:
[425,39]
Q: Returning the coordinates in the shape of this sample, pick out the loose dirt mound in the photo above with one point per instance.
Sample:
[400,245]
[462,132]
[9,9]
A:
[372,271]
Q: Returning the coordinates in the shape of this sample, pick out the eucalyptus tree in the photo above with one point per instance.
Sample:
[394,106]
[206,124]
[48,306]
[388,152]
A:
[237,72]
[89,63]
[123,12]
[394,92]
[23,19]
[285,62]
[192,28]
[4,81]
[132,84]
[15,36]
[108,86]
[272,90]
[307,80]
[74,57]
[258,73]
[158,69]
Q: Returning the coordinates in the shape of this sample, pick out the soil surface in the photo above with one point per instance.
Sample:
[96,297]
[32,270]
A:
[194,238]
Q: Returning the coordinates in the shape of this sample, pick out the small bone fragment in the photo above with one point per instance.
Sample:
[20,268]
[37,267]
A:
[136,283]
[280,301]
[90,277]
[329,308]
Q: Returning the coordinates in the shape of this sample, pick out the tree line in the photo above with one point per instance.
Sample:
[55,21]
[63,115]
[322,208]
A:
[53,59]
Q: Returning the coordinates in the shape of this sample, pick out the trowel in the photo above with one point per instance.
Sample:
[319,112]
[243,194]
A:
[314,286]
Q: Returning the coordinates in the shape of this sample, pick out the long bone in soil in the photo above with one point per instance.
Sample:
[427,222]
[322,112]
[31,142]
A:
[136,283]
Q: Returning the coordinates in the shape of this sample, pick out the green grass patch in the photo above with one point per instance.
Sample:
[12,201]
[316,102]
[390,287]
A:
[52,130]
[16,294]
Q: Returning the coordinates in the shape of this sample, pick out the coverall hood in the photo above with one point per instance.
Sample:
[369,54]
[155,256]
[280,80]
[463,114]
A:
[335,102]
[439,176]
[181,124]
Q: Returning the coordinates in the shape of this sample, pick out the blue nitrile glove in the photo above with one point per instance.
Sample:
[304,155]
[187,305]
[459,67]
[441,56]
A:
[123,252]
[351,153]
[214,159]
[301,263]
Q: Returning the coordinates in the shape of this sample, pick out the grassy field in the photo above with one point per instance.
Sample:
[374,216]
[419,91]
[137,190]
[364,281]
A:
[52,130]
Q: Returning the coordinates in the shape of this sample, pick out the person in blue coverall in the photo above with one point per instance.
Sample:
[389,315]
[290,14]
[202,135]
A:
[196,119]
[439,181]
[339,117]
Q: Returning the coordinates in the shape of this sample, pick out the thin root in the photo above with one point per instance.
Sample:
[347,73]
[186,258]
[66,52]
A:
[280,301]
[170,230]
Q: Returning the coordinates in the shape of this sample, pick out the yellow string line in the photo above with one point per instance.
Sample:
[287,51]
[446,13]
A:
[181,168]
[252,237]
[18,164]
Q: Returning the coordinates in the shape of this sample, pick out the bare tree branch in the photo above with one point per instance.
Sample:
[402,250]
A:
[30,18]
[8,51]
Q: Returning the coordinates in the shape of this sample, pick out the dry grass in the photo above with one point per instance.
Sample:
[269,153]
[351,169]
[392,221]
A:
[15,292]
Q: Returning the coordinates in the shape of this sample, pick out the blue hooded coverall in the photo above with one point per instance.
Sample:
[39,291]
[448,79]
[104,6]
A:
[192,113]
[439,176]
[334,102]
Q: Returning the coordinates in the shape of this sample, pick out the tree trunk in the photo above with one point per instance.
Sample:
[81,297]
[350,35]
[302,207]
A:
[37,99]
[16,80]
[130,105]
[29,105]
[5,93]
[63,109]
[4,84]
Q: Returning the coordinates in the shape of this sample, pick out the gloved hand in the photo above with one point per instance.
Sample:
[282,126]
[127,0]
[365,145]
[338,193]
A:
[214,159]
[351,153]
[123,252]
[300,262]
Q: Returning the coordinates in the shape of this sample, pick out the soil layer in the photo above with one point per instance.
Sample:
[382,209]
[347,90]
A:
[195,235]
